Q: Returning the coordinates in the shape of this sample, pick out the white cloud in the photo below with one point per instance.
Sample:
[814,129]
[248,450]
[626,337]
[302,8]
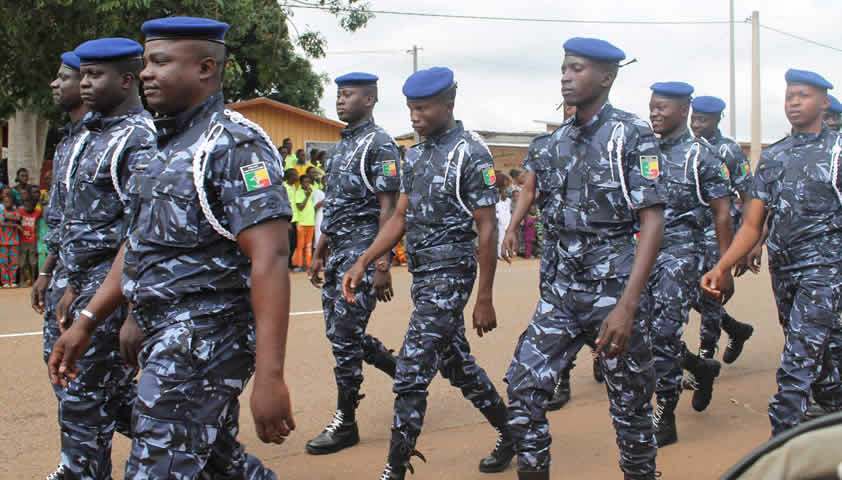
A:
[508,72]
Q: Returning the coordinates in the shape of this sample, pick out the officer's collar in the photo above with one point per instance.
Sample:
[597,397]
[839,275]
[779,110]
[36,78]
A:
[71,128]
[169,126]
[803,138]
[96,121]
[716,137]
[598,118]
[676,138]
[446,136]
[352,131]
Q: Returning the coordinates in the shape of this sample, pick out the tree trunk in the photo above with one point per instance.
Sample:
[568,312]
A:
[27,141]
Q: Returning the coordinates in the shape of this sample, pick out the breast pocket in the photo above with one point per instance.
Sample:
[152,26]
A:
[680,191]
[349,184]
[96,201]
[174,211]
[814,193]
[606,201]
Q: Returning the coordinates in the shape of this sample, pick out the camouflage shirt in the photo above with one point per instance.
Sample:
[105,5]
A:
[177,266]
[692,176]
[596,178]
[793,179]
[71,145]
[364,163]
[538,160]
[739,169]
[446,178]
[96,213]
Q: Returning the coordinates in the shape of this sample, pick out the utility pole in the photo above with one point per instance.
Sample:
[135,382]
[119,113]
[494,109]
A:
[756,129]
[733,101]
[414,53]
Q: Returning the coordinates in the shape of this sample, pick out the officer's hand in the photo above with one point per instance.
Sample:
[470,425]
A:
[727,288]
[39,289]
[131,341]
[314,271]
[67,350]
[352,279]
[63,308]
[755,259]
[271,408]
[741,267]
[485,318]
[615,331]
[382,285]
[712,283]
[509,245]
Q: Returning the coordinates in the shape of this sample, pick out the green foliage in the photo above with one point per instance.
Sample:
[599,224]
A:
[264,58]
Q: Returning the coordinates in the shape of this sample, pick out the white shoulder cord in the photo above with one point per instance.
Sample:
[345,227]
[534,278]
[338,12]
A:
[71,163]
[367,140]
[724,150]
[834,167]
[115,156]
[695,170]
[200,161]
[615,155]
[460,145]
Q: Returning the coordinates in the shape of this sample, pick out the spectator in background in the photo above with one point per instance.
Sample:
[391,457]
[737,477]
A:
[319,161]
[318,204]
[530,232]
[306,212]
[291,184]
[289,157]
[9,241]
[504,209]
[301,163]
[21,185]
[28,253]
[316,175]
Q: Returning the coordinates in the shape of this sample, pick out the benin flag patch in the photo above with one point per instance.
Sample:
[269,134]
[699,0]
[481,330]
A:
[650,168]
[745,169]
[724,172]
[489,176]
[390,168]
[255,176]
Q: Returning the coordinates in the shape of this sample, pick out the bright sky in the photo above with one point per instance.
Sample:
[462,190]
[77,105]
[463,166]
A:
[508,73]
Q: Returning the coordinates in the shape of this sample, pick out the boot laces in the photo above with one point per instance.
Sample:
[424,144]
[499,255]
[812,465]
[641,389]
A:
[337,421]
[691,381]
[58,474]
[499,440]
[731,343]
[659,412]
[387,473]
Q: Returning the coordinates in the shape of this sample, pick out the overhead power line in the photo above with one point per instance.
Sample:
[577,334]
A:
[803,39]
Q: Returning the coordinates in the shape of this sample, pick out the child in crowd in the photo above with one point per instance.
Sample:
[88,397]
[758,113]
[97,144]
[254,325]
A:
[21,186]
[291,185]
[305,210]
[9,241]
[28,255]
[504,209]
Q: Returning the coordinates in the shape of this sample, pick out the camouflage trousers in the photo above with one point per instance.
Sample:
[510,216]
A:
[58,283]
[186,418]
[436,342]
[673,287]
[566,318]
[809,306]
[99,400]
[345,323]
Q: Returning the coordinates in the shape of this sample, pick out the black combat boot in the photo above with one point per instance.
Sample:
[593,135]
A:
[642,476]
[540,475]
[597,371]
[504,449]
[399,455]
[664,421]
[342,431]
[738,334]
[377,355]
[561,392]
[690,382]
[704,371]
[58,474]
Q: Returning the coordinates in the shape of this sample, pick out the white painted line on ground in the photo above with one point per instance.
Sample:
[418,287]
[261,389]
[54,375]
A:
[32,334]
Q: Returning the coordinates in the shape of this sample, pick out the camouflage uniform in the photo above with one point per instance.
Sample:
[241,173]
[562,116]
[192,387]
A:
[351,221]
[712,312]
[794,181]
[96,215]
[589,253]
[690,170]
[73,142]
[189,289]
[446,178]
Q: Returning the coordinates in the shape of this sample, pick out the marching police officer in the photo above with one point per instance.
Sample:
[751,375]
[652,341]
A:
[797,190]
[447,184]
[204,267]
[833,114]
[361,190]
[600,180]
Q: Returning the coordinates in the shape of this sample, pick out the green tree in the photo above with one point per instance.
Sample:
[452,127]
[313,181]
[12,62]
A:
[263,56]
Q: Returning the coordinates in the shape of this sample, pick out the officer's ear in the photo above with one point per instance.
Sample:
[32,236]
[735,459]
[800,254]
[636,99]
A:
[608,74]
[825,102]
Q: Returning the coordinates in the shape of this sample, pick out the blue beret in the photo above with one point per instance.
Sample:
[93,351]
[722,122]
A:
[108,49]
[595,49]
[804,77]
[70,59]
[672,89]
[185,27]
[705,104]
[835,106]
[428,83]
[356,78]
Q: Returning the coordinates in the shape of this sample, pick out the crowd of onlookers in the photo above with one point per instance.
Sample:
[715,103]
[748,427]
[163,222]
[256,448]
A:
[530,231]
[22,230]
